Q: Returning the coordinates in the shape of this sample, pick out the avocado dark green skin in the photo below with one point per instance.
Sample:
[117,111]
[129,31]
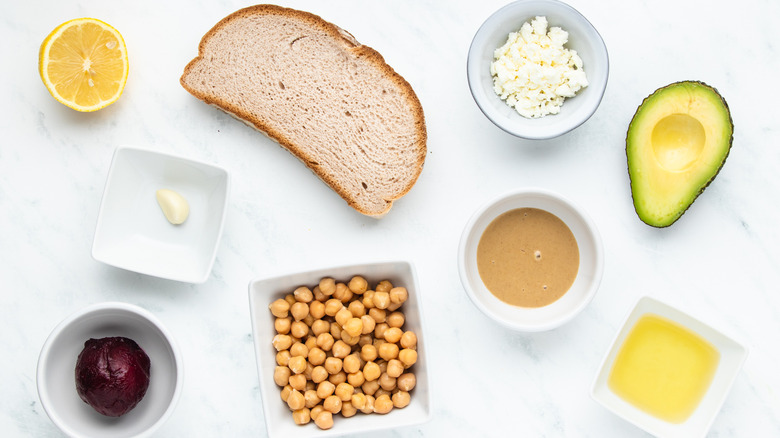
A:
[715,173]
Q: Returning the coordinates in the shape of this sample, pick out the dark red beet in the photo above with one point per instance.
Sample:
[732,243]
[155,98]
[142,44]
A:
[112,375]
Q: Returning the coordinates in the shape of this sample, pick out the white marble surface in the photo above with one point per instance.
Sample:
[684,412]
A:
[719,262]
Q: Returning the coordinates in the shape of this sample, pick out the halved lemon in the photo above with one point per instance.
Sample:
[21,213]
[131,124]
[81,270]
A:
[83,63]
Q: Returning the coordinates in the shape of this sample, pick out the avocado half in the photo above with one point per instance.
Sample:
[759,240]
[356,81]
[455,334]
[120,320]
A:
[676,144]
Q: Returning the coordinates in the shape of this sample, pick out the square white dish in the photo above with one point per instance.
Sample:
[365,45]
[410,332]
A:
[732,356]
[278,417]
[132,232]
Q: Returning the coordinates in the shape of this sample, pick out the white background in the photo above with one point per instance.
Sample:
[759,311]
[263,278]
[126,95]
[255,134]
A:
[719,262]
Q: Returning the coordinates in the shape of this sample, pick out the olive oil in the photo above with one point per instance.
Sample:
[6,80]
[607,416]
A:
[663,368]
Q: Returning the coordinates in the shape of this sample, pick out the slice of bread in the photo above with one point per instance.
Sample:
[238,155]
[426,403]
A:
[332,102]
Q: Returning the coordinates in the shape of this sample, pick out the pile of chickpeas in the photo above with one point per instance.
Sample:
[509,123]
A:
[341,348]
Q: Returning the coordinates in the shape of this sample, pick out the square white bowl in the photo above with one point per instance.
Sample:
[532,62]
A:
[132,233]
[732,356]
[278,417]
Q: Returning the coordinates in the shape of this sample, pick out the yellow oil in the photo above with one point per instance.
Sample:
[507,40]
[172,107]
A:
[663,368]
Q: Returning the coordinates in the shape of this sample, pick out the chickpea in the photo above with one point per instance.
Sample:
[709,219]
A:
[386,382]
[371,371]
[315,411]
[282,342]
[381,300]
[381,391]
[290,299]
[307,372]
[332,306]
[356,379]
[301,416]
[342,316]
[297,381]
[317,310]
[299,329]
[279,308]
[299,349]
[297,364]
[366,339]
[408,357]
[368,324]
[396,319]
[370,388]
[311,342]
[368,353]
[303,294]
[389,351]
[295,400]
[324,420]
[352,363]
[383,404]
[384,286]
[309,320]
[319,374]
[343,293]
[406,382]
[283,358]
[382,365]
[368,299]
[354,327]
[401,399]
[325,389]
[325,341]
[369,407]
[398,295]
[358,400]
[358,284]
[282,325]
[299,310]
[347,410]
[337,378]
[335,331]
[393,334]
[319,327]
[285,393]
[316,356]
[344,391]
[409,340]
[394,306]
[318,295]
[310,386]
[327,286]
[332,404]
[340,349]
[333,365]
[282,375]
[310,396]
[379,315]
[395,368]
[349,339]
[357,308]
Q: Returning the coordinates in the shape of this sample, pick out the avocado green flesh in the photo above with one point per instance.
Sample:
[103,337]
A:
[676,144]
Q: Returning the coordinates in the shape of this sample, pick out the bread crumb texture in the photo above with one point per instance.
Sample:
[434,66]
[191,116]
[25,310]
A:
[309,85]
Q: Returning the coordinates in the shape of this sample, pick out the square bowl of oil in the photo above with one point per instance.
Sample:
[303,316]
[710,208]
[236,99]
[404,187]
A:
[667,372]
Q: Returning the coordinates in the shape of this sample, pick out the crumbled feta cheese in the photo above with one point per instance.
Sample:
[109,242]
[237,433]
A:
[534,73]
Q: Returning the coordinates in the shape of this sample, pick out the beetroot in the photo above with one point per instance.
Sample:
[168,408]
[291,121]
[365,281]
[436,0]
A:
[112,375]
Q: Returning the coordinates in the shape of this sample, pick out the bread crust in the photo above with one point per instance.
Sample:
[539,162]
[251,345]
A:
[355,50]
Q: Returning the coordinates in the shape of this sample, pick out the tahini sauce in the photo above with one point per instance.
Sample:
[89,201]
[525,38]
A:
[528,257]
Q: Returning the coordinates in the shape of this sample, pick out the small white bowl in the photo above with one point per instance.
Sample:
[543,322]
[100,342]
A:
[732,356]
[132,233]
[56,374]
[278,418]
[573,301]
[583,38]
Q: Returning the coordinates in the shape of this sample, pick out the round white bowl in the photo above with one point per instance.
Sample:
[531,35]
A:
[57,364]
[573,301]
[583,38]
